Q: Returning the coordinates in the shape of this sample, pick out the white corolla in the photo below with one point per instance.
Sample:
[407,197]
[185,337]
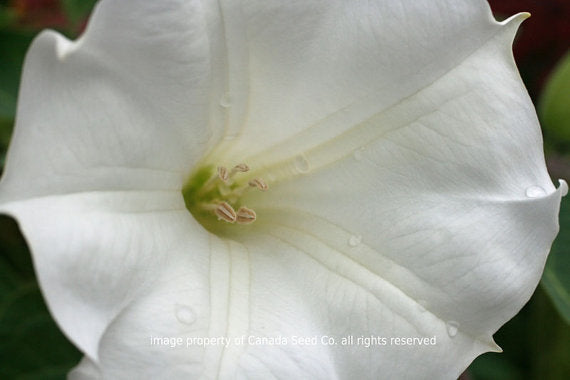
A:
[339,189]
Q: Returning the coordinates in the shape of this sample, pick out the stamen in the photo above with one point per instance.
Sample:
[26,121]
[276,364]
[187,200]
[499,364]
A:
[259,183]
[226,212]
[221,194]
[245,215]
[242,168]
[223,173]
[213,182]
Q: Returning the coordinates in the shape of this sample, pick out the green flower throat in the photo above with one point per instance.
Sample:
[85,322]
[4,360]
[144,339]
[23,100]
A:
[214,194]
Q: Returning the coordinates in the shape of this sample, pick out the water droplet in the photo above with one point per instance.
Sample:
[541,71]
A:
[226,100]
[358,153]
[302,164]
[452,328]
[535,192]
[354,240]
[185,314]
[422,306]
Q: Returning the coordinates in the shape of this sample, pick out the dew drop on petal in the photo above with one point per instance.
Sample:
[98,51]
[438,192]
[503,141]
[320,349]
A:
[226,100]
[354,240]
[185,314]
[358,154]
[535,192]
[302,164]
[452,328]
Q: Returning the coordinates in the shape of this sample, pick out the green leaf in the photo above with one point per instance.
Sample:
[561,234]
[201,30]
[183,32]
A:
[535,343]
[492,366]
[13,46]
[554,106]
[7,16]
[6,127]
[548,341]
[556,277]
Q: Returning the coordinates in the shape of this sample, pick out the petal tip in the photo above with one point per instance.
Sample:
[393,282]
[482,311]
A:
[54,40]
[493,346]
[524,15]
[563,187]
[516,19]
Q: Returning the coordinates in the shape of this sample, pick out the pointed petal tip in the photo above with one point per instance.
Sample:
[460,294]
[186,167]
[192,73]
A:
[494,347]
[518,18]
[50,39]
[524,15]
[489,344]
[515,20]
[563,187]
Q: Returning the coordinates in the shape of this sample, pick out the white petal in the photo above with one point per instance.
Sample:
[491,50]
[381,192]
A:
[440,202]
[475,117]
[115,119]
[453,270]
[97,252]
[337,62]
[188,301]
[306,274]
[301,277]
[428,231]
[249,293]
[124,107]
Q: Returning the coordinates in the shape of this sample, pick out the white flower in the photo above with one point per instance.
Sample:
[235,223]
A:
[407,191]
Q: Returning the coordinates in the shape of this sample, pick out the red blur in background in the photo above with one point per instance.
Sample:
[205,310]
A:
[39,14]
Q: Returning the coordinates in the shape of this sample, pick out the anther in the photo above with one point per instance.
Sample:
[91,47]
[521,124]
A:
[226,212]
[223,174]
[242,168]
[259,183]
[245,215]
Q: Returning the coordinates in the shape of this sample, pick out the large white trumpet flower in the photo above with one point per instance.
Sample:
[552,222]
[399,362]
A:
[261,180]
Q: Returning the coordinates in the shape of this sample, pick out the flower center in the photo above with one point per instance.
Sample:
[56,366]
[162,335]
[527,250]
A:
[213,195]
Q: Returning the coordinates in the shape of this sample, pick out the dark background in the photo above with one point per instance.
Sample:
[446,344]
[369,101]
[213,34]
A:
[536,342]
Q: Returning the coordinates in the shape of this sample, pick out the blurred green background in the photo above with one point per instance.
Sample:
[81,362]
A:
[536,342]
